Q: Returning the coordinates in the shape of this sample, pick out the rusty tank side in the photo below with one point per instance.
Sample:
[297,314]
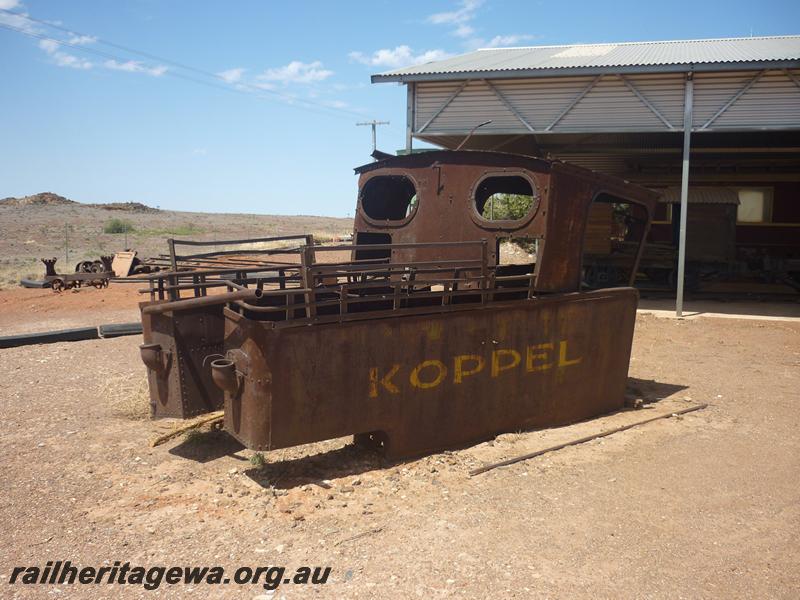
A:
[424,339]
[416,384]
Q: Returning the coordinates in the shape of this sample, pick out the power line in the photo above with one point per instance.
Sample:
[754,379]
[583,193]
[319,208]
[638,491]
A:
[241,88]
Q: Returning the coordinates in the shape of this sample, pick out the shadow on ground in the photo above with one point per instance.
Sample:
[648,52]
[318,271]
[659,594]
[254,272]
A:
[649,390]
[316,468]
[301,468]
[205,446]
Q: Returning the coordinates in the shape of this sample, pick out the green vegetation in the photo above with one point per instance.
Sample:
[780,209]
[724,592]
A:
[118,226]
[506,207]
[258,460]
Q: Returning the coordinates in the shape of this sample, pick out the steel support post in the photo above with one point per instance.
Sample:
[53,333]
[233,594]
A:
[410,116]
[687,133]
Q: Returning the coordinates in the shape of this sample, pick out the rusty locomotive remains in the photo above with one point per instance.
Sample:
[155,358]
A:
[419,335]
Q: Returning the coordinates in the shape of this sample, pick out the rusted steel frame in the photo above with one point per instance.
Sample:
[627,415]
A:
[359,300]
[242,251]
[370,285]
[355,286]
[210,263]
[173,261]
[397,292]
[484,270]
[172,293]
[399,246]
[392,267]
[227,271]
[239,283]
[326,268]
[383,279]
[209,256]
[249,294]
[307,258]
[179,242]
[309,239]
[206,284]
[512,277]
[415,295]
[79,276]
[196,286]
[381,314]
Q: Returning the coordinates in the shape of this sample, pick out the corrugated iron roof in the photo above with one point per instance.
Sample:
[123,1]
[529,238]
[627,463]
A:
[679,55]
[701,195]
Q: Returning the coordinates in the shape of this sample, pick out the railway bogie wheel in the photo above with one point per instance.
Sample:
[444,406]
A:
[57,285]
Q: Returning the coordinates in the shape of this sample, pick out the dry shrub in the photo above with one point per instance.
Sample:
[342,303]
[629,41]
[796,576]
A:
[128,396]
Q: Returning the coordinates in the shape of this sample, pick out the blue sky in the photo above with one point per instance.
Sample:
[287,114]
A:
[274,132]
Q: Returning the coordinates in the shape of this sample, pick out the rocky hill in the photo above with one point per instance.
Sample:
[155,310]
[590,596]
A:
[136,207]
[51,199]
[42,199]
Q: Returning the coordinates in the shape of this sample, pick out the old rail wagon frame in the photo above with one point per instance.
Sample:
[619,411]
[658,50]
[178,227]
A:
[417,336]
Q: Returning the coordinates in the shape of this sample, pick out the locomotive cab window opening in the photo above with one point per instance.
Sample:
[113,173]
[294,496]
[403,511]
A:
[388,198]
[506,198]
[615,229]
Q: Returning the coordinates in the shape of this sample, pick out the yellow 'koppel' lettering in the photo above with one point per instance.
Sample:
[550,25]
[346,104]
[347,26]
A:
[497,368]
[385,381]
[458,366]
[562,356]
[532,356]
[424,385]
[539,357]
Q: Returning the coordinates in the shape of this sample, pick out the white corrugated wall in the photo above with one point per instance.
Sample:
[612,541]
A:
[774,101]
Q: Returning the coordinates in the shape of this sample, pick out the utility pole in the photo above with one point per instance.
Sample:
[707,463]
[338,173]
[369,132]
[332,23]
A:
[374,124]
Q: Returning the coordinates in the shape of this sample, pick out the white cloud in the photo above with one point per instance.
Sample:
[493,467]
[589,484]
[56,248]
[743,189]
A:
[200,151]
[461,20]
[232,75]
[501,41]
[401,56]
[297,72]
[63,59]
[134,66]
[49,46]
[19,21]
[464,31]
[82,40]
[458,18]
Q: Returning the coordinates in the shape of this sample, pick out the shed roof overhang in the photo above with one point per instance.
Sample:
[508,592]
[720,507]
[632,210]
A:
[755,65]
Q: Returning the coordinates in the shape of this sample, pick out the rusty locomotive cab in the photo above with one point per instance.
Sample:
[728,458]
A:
[461,309]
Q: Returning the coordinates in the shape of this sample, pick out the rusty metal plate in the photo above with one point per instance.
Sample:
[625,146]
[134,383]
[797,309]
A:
[121,265]
[419,384]
[180,383]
